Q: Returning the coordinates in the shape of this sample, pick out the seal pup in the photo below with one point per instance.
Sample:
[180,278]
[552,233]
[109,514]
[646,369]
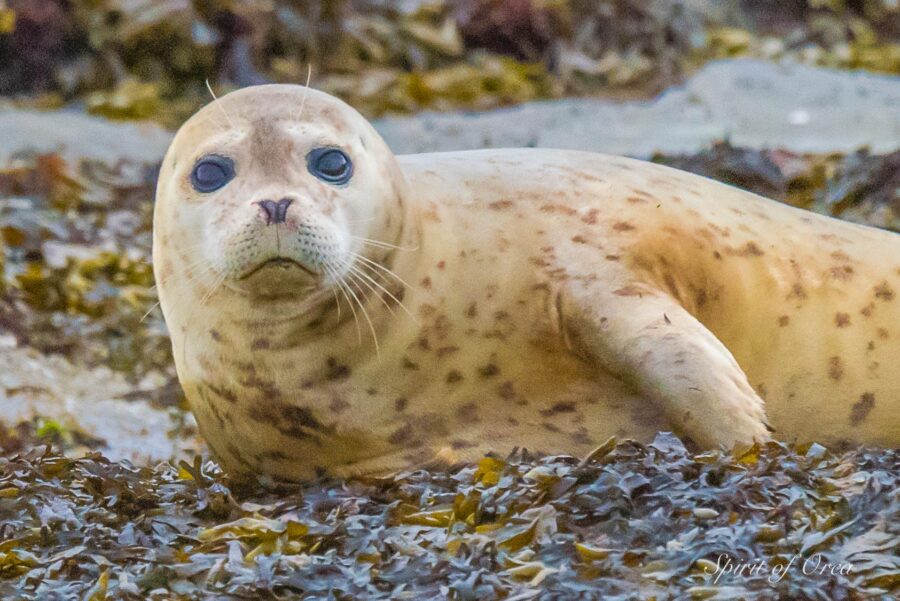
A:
[336,309]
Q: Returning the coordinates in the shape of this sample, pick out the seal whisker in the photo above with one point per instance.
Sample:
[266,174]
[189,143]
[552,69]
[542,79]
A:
[149,311]
[381,244]
[337,303]
[219,280]
[378,265]
[358,271]
[341,286]
[355,274]
[306,92]
[366,316]
[187,267]
[219,104]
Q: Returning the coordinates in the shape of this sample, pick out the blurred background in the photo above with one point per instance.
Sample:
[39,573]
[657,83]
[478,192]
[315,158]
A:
[798,100]
[149,58]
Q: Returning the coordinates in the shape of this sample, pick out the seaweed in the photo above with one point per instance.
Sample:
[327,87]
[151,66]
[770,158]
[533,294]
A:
[141,59]
[630,521]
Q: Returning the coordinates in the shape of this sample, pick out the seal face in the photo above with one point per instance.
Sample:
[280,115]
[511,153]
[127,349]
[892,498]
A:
[336,309]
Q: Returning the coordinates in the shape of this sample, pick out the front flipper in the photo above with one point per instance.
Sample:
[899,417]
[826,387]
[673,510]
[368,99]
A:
[650,341]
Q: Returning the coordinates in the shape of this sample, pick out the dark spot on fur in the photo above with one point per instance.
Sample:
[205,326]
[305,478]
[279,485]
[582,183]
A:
[214,334]
[841,320]
[336,371]
[612,257]
[472,310]
[468,413]
[783,321]
[264,386]
[797,291]
[338,405]
[842,272]
[507,391]
[566,407]
[426,282]
[488,371]
[264,415]
[302,416]
[461,444]
[623,226]
[835,368]
[407,364]
[454,376]
[581,436]
[884,292]
[216,413]
[867,310]
[751,249]
[236,453]
[222,392]
[883,333]
[579,239]
[400,404]
[700,298]
[260,344]
[861,409]
[400,435]
[591,217]
[840,256]
[550,427]
[499,205]
[274,455]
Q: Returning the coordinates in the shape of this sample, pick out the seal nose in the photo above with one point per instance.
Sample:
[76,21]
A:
[275,211]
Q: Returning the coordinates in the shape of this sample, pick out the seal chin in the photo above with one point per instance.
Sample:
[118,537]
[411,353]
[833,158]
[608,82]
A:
[279,277]
[282,265]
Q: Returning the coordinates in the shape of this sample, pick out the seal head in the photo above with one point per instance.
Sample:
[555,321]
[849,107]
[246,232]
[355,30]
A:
[272,197]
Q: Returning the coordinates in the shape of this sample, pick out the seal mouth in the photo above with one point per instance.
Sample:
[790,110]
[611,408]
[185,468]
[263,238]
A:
[283,263]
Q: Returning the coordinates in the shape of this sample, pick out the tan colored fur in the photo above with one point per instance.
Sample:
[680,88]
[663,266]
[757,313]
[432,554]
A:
[559,298]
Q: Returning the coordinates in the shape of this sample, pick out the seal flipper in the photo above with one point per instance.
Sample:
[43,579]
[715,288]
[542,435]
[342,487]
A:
[647,339]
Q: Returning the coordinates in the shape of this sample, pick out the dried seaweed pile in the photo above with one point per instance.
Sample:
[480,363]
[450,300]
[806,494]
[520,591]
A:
[135,59]
[630,521]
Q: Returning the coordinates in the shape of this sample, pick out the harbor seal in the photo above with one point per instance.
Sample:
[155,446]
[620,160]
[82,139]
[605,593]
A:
[335,309]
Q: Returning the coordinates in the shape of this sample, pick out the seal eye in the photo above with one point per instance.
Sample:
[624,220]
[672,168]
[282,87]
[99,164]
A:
[211,173]
[330,165]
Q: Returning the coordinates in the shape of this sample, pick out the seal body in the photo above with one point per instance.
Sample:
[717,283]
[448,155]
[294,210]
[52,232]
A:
[447,305]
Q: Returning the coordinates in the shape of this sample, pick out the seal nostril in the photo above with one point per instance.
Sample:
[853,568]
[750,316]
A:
[276,212]
[281,209]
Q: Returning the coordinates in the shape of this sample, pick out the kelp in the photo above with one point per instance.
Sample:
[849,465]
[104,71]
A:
[858,187]
[77,277]
[151,59]
[631,521]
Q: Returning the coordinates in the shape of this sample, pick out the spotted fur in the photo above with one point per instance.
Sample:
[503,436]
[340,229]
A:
[525,298]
